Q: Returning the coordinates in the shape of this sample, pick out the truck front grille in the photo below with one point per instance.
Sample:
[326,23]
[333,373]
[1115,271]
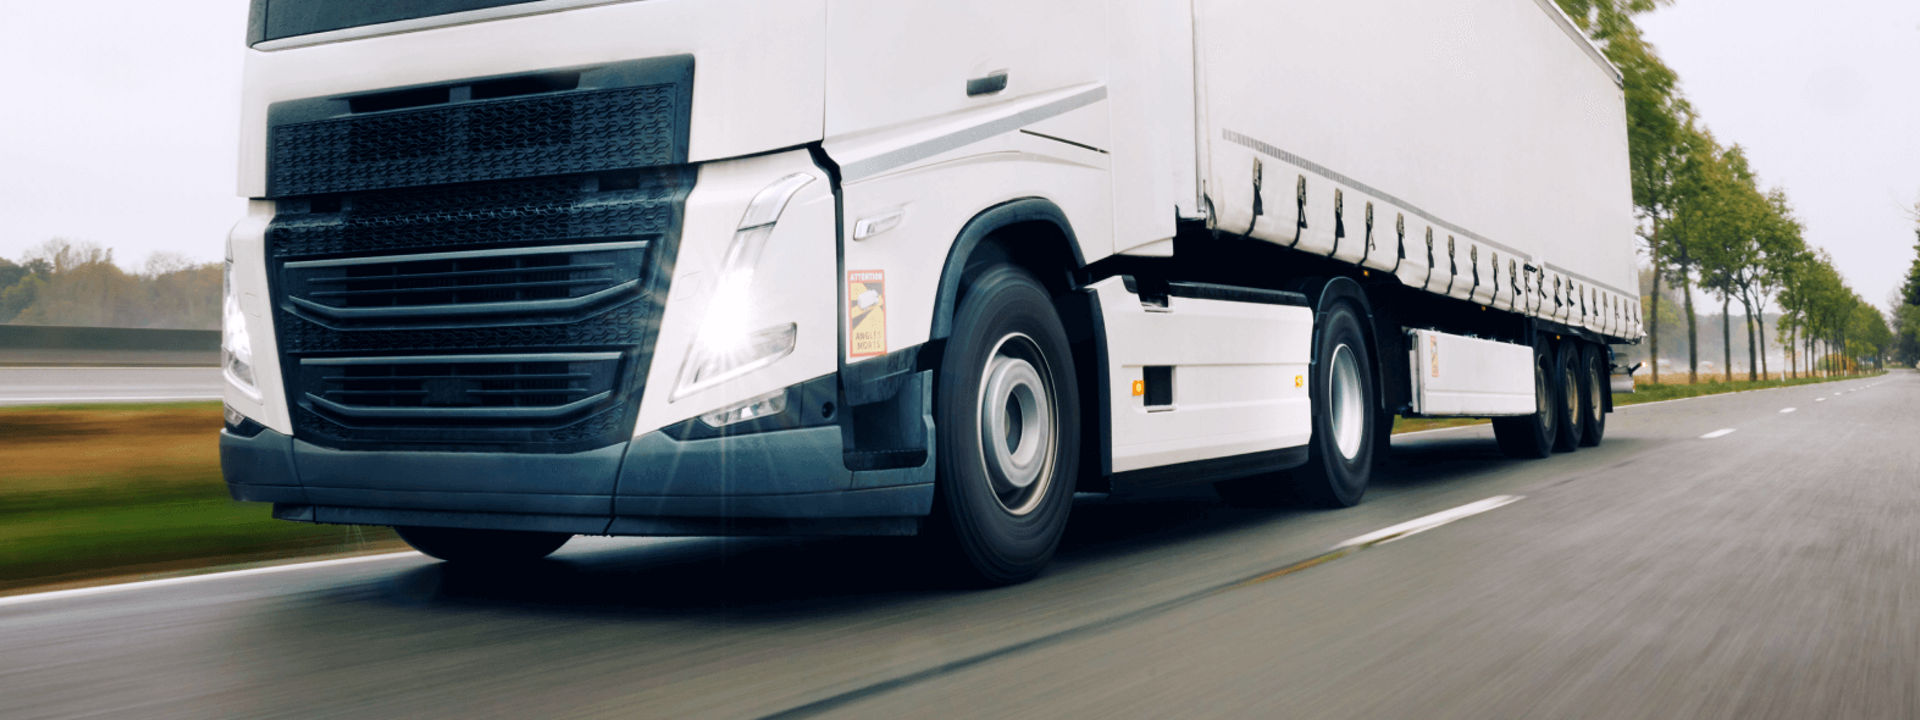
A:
[476,274]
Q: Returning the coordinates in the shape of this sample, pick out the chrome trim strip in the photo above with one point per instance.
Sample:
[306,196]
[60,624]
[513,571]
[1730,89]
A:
[963,137]
[505,252]
[430,359]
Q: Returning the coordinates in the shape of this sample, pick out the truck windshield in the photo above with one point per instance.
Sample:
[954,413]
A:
[275,19]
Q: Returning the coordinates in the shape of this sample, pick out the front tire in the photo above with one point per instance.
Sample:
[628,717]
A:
[482,547]
[1009,420]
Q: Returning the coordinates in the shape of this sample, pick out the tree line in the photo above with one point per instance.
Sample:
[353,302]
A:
[1706,224]
[1906,306]
[62,282]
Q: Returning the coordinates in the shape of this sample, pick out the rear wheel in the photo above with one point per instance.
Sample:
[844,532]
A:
[1345,414]
[477,547]
[1567,372]
[1593,399]
[1009,440]
[1531,436]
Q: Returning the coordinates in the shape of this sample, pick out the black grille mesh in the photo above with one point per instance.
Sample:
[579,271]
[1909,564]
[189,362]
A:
[520,212]
[570,133]
[484,233]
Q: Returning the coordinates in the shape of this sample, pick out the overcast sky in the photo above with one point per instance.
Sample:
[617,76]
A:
[119,125]
[1825,97]
[120,121]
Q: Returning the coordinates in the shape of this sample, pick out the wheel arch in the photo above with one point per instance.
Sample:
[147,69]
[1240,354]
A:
[1325,292]
[1050,250]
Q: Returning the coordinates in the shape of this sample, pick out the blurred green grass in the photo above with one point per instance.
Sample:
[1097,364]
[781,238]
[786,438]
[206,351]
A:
[91,491]
[1644,393]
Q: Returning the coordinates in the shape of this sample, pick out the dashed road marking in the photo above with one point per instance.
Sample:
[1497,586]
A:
[1428,522]
[1819,399]
[1722,432]
[1784,411]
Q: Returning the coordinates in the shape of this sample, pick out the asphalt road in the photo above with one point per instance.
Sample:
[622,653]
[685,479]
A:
[72,385]
[1771,571]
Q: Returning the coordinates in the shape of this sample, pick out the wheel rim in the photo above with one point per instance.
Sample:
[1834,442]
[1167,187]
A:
[1348,402]
[1017,424]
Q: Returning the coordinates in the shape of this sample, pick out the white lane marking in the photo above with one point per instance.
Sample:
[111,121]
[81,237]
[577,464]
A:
[76,400]
[1428,522]
[1788,410]
[167,582]
[1722,432]
[1838,394]
[1819,399]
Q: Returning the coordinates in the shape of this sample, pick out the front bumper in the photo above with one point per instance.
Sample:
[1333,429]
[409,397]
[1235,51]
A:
[777,482]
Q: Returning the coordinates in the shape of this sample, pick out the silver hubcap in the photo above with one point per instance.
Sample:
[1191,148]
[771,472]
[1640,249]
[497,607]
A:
[1017,424]
[1347,402]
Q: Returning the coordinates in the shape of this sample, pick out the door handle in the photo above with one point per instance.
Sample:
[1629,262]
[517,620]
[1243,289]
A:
[991,83]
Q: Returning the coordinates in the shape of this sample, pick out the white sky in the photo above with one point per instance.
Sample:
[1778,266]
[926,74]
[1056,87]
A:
[1825,96]
[120,119]
[119,124]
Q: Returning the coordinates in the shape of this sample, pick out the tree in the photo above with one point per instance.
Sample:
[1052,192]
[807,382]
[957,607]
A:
[1913,271]
[1729,258]
[1654,108]
[62,282]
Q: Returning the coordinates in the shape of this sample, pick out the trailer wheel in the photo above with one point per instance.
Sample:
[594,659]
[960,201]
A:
[1008,410]
[1531,436]
[1340,453]
[477,547]
[1566,394]
[1593,411]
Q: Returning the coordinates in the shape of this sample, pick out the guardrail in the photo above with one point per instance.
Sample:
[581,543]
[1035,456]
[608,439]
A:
[60,345]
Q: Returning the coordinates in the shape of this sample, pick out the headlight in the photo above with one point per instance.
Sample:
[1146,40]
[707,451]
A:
[236,346]
[725,347]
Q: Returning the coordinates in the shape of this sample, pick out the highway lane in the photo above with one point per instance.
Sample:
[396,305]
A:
[73,385]
[1766,572]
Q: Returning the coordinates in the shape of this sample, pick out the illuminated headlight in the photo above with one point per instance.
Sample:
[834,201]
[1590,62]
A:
[772,403]
[725,347]
[236,346]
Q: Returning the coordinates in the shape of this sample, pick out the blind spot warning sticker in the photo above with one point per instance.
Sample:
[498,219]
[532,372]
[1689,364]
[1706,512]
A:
[866,313]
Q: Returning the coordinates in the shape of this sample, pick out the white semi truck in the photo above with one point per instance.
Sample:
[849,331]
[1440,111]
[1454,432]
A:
[518,270]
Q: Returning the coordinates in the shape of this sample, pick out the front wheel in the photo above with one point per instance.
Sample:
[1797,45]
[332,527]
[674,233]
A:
[1009,422]
[477,547]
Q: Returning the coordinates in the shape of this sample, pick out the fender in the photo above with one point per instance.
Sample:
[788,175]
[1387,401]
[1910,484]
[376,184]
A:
[1326,291]
[977,230]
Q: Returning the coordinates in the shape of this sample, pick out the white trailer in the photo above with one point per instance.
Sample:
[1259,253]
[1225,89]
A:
[517,270]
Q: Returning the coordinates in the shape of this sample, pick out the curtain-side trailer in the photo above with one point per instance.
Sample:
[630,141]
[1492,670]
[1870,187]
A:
[518,270]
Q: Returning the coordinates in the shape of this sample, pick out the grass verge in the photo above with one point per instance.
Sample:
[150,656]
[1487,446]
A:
[1643,394]
[91,491]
